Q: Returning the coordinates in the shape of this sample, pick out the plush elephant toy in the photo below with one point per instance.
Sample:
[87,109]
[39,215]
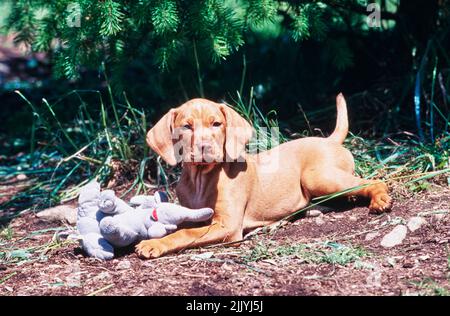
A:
[148,221]
[88,218]
[105,221]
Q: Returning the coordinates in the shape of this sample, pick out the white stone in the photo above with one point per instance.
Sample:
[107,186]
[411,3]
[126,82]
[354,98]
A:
[395,237]
[202,256]
[313,213]
[391,261]
[60,213]
[21,177]
[124,265]
[414,223]
[319,220]
[424,257]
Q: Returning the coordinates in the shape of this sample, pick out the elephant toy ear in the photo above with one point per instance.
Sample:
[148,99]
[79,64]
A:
[149,201]
[161,197]
[145,201]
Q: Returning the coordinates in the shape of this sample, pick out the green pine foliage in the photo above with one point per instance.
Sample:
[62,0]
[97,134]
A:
[260,11]
[111,17]
[87,34]
[165,17]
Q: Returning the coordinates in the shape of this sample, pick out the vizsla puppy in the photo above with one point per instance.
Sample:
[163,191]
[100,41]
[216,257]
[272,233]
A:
[255,190]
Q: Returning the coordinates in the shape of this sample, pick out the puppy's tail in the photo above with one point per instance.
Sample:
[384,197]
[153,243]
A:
[341,130]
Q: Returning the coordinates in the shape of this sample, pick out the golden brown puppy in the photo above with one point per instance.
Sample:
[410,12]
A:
[257,190]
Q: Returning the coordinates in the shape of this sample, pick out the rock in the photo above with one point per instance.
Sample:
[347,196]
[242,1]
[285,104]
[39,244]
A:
[424,257]
[21,177]
[319,220]
[60,213]
[371,236]
[395,237]
[414,223]
[124,265]
[202,256]
[390,262]
[313,213]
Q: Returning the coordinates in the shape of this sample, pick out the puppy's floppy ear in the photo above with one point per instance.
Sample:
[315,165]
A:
[238,132]
[159,138]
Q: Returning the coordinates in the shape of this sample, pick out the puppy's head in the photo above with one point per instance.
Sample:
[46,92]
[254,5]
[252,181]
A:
[200,132]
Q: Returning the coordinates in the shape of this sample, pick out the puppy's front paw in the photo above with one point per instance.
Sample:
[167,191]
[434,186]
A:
[380,203]
[149,249]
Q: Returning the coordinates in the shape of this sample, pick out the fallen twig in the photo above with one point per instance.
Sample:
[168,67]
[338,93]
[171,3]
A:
[7,277]
[101,290]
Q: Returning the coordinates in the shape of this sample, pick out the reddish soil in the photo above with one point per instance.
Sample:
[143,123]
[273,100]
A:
[418,266]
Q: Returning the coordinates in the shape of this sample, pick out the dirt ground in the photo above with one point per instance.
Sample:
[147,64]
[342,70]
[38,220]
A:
[337,253]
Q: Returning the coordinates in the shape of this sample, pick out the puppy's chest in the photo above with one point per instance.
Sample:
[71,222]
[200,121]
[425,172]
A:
[207,194]
[193,196]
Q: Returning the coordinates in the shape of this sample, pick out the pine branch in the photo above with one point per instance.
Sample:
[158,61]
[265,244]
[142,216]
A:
[164,16]
[112,17]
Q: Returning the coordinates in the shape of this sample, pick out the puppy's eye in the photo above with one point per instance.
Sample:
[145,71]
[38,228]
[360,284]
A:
[217,124]
[187,126]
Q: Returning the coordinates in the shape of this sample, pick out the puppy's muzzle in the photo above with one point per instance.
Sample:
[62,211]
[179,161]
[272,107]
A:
[204,153]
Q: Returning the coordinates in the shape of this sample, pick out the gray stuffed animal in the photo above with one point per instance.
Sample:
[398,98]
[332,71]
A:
[149,220]
[105,221]
[88,218]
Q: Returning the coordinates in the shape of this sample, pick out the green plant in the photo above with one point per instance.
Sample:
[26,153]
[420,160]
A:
[6,233]
[431,288]
[325,252]
[105,140]
[268,134]
[14,252]
[341,254]
[89,33]
[259,252]
[64,156]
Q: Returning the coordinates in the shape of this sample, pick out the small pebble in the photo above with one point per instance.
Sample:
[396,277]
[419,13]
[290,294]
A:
[415,223]
[124,265]
[395,237]
[319,220]
[313,213]
[21,177]
[60,213]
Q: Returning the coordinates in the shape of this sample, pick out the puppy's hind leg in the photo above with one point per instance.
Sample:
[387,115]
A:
[337,180]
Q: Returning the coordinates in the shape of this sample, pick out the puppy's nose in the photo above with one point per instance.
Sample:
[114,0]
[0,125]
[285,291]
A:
[205,147]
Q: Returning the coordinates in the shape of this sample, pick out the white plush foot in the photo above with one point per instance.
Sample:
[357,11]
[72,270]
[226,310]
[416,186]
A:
[98,247]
